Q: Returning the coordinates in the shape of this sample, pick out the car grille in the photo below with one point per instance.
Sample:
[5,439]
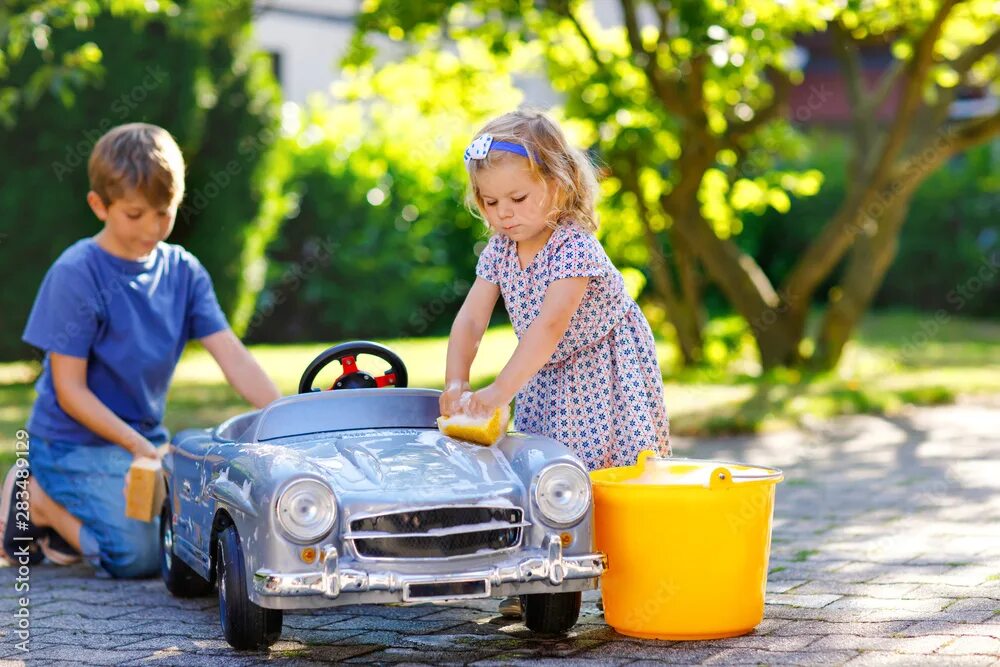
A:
[400,534]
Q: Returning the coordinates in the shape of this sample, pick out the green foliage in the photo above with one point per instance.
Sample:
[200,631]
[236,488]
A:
[190,71]
[381,243]
[610,108]
[949,257]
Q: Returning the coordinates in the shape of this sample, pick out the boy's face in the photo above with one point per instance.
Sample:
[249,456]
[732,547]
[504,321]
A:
[516,202]
[132,227]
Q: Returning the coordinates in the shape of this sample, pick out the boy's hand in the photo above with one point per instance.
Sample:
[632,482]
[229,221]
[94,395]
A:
[143,448]
[450,399]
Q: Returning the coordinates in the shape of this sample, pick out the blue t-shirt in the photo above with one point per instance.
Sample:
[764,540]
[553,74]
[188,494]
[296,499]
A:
[130,320]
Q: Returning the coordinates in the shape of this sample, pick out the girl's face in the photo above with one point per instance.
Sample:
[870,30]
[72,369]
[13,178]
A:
[515,201]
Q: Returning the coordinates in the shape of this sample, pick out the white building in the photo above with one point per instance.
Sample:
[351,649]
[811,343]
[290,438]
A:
[308,38]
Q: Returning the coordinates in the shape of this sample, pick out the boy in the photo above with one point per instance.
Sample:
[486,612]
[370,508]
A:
[113,315]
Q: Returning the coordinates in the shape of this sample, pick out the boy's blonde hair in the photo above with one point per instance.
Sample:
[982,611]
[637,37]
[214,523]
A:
[140,157]
[551,158]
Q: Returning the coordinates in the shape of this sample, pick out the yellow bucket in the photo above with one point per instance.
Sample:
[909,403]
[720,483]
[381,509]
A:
[687,542]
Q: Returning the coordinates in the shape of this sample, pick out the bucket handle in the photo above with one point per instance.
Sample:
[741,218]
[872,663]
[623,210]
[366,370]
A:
[720,478]
[775,474]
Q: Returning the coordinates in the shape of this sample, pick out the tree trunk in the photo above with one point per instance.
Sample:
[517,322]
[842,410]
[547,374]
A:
[687,272]
[739,277]
[683,315]
[867,264]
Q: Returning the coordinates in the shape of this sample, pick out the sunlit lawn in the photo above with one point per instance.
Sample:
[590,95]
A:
[880,373]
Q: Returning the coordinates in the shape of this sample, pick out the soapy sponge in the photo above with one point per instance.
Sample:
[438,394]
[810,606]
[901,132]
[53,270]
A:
[481,430]
[145,491]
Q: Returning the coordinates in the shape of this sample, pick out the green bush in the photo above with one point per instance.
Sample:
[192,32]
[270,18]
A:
[365,255]
[381,243]
[195,75]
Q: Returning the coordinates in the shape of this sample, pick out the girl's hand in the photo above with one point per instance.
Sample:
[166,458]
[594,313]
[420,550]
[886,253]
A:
[483,402]
[449,401]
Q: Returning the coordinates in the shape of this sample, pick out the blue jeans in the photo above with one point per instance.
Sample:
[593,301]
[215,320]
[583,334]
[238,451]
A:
[88,481]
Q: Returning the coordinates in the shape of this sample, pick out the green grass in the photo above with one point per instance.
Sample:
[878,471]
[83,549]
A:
[804,555]
[879,374]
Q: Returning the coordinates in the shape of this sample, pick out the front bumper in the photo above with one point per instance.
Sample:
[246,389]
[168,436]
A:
[546,570]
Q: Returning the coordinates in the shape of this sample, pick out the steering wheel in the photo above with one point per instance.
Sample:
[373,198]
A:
[352,377]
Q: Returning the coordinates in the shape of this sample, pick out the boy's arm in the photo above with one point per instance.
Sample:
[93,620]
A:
[562,298]
[69,376]
[240,368]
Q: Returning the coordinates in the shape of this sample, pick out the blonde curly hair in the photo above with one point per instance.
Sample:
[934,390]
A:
[550,158]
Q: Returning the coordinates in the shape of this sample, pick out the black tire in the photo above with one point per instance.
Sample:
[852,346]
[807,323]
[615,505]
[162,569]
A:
[179,578]
[245,625]
[551,613]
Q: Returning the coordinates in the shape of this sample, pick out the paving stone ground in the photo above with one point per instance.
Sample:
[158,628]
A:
[886,550]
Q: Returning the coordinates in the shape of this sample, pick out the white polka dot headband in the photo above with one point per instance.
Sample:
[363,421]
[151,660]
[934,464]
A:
[484,143]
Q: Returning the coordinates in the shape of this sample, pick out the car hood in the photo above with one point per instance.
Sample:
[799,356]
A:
[405,461]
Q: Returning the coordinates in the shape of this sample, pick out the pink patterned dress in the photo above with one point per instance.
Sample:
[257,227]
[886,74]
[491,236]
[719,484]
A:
[601,393]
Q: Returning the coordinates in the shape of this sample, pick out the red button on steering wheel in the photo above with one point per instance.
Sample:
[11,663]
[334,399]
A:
[351,376]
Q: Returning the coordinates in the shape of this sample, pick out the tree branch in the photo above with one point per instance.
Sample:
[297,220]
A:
[782,86]
[829,246]
[973,54]
[862,115]
[667,93]
[885,85]
[584,36]
[938,113]
[974,132]
[916,70]
[846,50]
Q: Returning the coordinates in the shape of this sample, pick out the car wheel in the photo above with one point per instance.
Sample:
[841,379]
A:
[245,625]
[179,578]
[551,613]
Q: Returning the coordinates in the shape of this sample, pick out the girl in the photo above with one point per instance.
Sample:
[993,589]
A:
[585,369]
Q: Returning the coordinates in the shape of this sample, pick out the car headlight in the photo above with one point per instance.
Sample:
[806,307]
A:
[306,510]
[563,494]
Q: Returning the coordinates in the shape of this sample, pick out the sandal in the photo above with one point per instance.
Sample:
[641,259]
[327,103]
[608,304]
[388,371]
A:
[19,538]
[511,607]
[58,550]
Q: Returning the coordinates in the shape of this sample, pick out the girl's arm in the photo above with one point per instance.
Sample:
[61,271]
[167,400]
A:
[463,343]
[562,298]
[240,368]
[69,376]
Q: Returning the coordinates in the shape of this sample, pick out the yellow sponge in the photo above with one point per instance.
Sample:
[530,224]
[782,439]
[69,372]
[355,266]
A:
[480,430]
[144,491]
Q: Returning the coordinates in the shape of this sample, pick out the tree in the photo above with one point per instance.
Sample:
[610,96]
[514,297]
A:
[684,98]
[70,70]
[940,48]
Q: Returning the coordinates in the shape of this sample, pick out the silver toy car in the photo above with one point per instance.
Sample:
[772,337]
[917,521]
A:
[353,496]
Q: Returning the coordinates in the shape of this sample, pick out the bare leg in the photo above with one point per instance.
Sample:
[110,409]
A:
[47,512]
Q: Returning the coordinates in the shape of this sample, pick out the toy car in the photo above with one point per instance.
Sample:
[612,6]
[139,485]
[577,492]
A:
[353,496]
